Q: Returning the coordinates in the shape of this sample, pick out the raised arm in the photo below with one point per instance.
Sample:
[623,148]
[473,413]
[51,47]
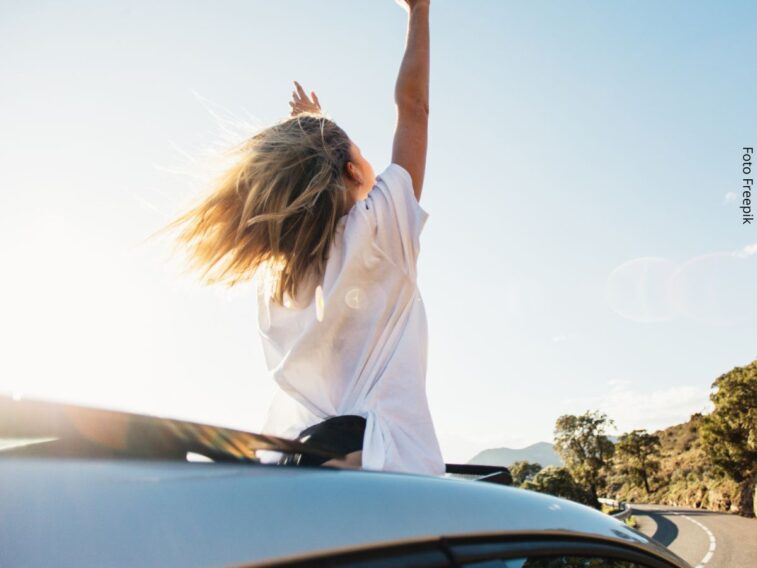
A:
[411,94]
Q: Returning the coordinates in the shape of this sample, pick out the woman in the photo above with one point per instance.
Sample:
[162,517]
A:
[334,250]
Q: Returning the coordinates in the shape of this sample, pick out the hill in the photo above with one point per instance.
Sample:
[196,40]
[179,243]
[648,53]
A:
[686,478]
[540,452]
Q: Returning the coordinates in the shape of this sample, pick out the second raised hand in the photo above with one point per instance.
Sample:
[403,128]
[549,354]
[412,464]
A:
[301,103]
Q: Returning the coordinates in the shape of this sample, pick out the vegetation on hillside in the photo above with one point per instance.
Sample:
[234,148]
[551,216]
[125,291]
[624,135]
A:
[708,462]
[585,449]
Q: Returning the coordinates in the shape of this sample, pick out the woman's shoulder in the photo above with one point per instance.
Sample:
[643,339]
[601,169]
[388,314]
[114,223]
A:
[392,217]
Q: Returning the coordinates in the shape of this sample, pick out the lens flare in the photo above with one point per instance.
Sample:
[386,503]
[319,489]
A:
[354,298]
[639,290]
[716,288]
[319,303]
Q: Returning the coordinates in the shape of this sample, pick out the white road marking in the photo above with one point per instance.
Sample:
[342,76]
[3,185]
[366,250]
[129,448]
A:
[713,543]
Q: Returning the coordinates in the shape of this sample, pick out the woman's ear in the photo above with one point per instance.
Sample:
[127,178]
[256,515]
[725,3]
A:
[354,173]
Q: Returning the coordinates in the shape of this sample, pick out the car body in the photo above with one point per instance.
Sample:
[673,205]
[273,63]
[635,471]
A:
[79,504]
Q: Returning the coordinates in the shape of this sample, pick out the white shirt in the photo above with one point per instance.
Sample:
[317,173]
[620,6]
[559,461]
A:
[357,343]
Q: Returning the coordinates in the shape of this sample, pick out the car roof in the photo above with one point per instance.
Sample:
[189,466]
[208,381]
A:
[139,512]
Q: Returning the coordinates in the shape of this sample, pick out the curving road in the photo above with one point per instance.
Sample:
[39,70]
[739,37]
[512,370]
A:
[705,539]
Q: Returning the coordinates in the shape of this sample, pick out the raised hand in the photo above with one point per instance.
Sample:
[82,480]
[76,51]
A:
[301,103]
[410,4]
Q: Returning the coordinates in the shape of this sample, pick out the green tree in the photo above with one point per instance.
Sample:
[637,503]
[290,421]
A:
[523,471]
[585,449]
[729,432]
[638,454]
[557,481]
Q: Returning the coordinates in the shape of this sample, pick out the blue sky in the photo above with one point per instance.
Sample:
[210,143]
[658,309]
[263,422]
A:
[584,248]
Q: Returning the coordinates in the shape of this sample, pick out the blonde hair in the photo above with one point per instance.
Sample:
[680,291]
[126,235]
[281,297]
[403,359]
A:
[276,208]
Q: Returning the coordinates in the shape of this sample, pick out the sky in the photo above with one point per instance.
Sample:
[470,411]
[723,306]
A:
[584,248]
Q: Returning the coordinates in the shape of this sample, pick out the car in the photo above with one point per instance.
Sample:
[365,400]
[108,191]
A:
[83,486]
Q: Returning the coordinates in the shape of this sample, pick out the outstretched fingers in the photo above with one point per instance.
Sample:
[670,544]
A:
[301,102]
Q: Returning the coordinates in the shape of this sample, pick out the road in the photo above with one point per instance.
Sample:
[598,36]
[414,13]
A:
[705,539]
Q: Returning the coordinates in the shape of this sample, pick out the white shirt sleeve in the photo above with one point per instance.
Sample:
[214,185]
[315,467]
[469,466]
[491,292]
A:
[396,217]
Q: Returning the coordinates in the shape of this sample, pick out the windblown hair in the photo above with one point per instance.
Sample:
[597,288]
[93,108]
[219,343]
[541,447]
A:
[276,208]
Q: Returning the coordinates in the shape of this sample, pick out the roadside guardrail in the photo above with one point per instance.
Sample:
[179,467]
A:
[624,511]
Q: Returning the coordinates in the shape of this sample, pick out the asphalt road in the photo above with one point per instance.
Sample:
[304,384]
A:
[705,539]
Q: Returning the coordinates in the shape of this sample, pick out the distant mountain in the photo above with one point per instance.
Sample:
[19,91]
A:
[540,452]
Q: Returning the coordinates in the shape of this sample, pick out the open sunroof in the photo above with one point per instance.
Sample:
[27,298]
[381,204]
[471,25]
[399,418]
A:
[44,428]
